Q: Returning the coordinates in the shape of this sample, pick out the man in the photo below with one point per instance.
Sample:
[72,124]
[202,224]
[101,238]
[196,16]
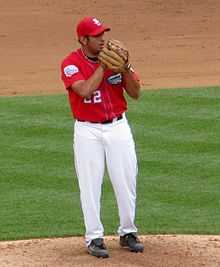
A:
[102,134]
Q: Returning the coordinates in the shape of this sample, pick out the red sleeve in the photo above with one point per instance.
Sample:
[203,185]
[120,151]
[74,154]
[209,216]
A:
[70,73]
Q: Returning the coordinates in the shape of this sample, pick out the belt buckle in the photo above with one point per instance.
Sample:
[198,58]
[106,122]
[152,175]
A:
[115,119]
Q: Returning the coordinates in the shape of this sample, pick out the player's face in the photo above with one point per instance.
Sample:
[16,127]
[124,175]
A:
[95,43]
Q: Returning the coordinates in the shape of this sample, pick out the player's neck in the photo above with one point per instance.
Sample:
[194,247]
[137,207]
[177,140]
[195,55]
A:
[89,55]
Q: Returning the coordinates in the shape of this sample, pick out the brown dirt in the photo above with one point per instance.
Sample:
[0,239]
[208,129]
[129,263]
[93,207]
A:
[160,251]
[172,43]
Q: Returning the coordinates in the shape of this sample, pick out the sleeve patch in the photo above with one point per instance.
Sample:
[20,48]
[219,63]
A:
[70,70]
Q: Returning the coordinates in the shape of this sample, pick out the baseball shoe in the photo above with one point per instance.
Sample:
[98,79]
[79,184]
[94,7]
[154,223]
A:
[97,248]
[131,242]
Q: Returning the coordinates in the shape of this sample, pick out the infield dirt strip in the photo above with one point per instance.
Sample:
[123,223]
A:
[173,43]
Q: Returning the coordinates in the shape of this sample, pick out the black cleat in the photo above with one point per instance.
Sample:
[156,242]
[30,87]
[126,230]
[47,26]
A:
[98,249]
[132,242]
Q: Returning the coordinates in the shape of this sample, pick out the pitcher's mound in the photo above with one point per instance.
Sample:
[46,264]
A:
[160,251]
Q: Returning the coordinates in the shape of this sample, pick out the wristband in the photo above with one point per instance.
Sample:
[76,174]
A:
[127,67]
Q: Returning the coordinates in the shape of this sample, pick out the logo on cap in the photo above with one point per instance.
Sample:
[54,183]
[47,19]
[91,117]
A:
[96,21]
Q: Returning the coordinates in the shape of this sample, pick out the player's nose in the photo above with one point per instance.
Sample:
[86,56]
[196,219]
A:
[102,37]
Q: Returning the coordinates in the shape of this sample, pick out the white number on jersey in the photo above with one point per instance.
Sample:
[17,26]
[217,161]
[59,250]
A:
[95,98]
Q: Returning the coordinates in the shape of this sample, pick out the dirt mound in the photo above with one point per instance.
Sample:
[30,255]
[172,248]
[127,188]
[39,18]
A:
[160,251]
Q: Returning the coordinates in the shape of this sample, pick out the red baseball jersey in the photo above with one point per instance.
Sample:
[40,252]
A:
[106,103]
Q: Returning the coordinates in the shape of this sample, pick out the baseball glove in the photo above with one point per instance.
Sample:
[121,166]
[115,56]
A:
[114,56]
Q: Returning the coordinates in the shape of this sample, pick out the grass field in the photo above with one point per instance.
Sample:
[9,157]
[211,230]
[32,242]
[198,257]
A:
[178,148]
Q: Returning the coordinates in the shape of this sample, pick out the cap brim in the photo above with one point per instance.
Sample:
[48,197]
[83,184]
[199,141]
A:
[100,30]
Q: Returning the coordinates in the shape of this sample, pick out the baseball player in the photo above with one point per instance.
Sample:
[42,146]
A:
[96,77]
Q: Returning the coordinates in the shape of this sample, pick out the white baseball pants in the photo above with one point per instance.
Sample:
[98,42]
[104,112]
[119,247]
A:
[94,146]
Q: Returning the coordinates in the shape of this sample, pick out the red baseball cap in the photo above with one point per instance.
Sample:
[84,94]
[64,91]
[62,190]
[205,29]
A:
[90,26]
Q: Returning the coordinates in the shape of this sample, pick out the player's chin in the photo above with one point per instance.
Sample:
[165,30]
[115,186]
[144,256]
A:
[101,46]
[98,50]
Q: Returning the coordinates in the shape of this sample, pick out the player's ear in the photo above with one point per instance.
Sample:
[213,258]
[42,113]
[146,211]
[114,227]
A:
[83,40]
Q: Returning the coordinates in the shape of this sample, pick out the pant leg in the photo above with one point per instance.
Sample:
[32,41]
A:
[122,168]
[89,165]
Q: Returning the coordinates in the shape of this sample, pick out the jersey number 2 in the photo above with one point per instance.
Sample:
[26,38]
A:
[95,98]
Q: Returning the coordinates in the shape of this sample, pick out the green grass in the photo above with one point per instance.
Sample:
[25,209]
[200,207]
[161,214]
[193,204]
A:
[178,148]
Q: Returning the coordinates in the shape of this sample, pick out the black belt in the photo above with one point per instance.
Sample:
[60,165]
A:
[104,122]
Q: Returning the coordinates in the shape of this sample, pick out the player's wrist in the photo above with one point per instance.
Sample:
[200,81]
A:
[127,67]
